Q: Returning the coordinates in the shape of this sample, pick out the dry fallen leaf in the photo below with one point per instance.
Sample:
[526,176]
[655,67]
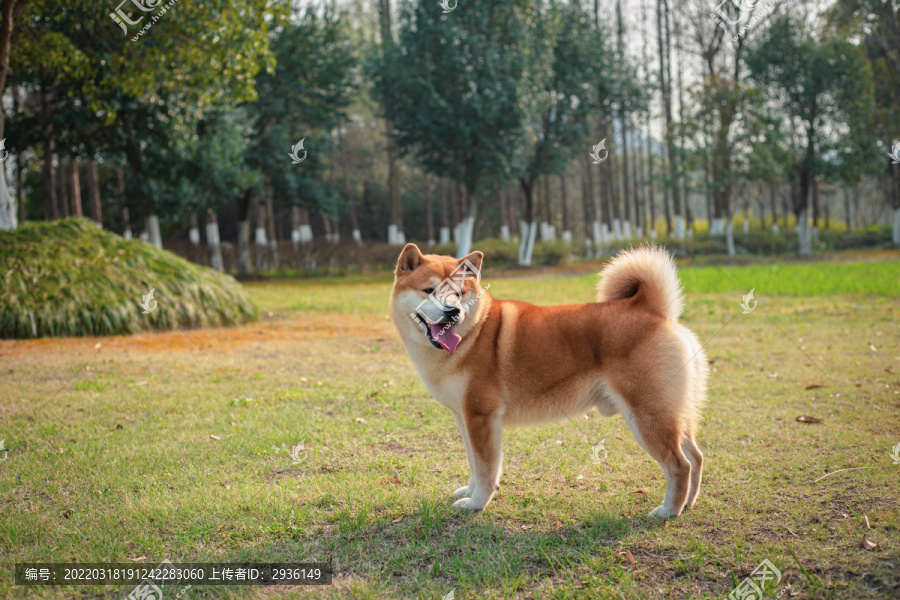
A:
[397,520]
[359,420]
[808,419]
[390,480]
[626,555]
[814,385]
[869,545]
[639,492]
[527,526]
[215,437]
[872,348]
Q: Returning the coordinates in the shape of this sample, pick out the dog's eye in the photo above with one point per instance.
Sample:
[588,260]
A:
[428,290]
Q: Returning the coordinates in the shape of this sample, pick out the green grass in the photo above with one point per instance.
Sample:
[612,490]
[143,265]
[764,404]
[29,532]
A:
[120,464]
[69,278]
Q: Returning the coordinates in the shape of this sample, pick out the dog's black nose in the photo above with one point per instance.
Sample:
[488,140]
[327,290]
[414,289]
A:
[452,312]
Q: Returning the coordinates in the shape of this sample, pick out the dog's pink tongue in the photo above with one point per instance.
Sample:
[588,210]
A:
[444,335]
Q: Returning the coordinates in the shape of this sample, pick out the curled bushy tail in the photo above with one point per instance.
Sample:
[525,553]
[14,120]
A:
[646,273]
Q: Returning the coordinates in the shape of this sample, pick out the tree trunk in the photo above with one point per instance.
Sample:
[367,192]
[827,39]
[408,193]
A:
[153,230]
[529,225]
[48,175]
[429,210]
[504,228]
[665,59]
[75,188]
[20,177]
[63,181]
[566,232]
[93,186]
[212,240]
[260,240]
[244,265]
[395,228]
[273,234]
[467,227]
[126,222]
[194,230]
[10,15]
[445,215]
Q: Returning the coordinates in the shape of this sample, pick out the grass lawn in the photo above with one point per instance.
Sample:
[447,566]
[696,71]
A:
[175,445]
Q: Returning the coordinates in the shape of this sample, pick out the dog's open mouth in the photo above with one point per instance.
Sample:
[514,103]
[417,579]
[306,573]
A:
[443,336]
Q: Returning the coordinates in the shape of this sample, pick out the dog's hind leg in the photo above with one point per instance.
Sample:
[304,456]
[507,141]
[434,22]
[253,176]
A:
[695,457]
[465,490]
[485,436]
[661,437]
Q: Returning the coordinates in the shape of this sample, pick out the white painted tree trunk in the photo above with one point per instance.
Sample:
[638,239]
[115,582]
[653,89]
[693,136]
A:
[597,232]
[8,218]
[588,248]
[306,234]
[567,236]
[746,225]
[215,246]
[127,233]
[678,226]
[357,237]
[626,229]
[466,231]
[295,239]
[194,236]
[653,234]
[775,228]
[526,247]
[153,230]
[729,237]
[244,265]
[804,232]
[445,235]
[717,227]
[504,233]
[640,232]
[393,235]
[617,229]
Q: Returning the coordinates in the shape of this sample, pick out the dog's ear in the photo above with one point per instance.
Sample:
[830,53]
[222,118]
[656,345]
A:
[410,258]
[475,258]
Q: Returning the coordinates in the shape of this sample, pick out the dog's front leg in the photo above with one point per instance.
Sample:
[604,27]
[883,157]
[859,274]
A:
[485,432]
[465,490]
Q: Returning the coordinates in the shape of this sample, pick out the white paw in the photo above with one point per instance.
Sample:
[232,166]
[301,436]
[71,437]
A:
[467,504]
[661,512]
[461,492]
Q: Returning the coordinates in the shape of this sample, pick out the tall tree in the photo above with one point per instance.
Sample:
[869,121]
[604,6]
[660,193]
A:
[825,83]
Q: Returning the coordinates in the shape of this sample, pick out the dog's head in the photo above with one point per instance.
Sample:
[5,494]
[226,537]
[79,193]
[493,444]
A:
[435,297]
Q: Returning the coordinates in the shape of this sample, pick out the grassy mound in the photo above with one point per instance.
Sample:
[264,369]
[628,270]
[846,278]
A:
[69,278]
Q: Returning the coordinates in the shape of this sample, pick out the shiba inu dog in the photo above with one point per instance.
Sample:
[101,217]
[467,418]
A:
[502,363]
